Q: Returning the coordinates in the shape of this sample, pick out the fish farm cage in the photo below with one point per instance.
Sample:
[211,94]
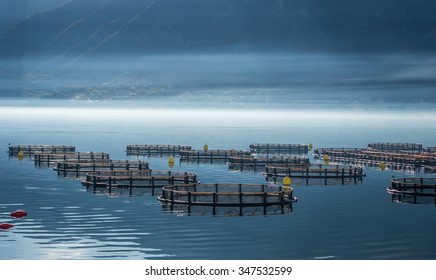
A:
[138,179]
[259,148]
[413,186]
[80,168]
[212,154]
[387,146]
[16,150]
[314,171]
[228,195]
[52,158]
[158,149]
[261,162]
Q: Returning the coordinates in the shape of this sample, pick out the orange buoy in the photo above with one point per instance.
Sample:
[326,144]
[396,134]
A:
[6,226]
[18,214]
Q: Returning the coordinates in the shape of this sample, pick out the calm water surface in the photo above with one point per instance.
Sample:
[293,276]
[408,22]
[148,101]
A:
[357,221]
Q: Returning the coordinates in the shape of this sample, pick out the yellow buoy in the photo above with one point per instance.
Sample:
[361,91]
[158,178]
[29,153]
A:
[287,181]
[382,166]
[287,184]
[205,147]
[310,147]
[171,161]
[20,155]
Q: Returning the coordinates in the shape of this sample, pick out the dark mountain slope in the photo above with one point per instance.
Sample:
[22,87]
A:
[150,26]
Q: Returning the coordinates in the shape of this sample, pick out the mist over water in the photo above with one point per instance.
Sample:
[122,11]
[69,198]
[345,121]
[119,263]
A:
[246,80]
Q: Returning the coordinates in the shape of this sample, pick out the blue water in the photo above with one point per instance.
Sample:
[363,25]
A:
[356,221]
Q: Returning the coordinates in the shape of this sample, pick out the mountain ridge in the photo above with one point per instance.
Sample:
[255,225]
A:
[161,26]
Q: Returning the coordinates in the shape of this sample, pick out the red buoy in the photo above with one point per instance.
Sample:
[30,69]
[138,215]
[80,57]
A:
[18,214]
[6,226]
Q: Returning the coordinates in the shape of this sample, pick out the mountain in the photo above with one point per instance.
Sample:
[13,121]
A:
[161,26]
[13,12]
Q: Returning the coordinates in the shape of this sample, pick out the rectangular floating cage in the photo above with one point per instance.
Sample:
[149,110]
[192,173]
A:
[13,150]
[148,150]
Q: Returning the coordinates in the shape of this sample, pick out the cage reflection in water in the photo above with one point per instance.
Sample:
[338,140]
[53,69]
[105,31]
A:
[413,199]
[193,210]
[123,192]
[228,199]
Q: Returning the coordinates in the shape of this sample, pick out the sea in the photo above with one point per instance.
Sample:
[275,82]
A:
[352,221]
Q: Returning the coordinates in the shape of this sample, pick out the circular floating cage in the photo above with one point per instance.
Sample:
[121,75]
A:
[413,186]
[228,195]
[138,178]
[314,171]
[315,174]
[155,149]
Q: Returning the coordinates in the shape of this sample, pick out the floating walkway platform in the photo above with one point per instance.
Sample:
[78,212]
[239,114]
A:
[314,171]
[138,179]
[50,158]
[413,186]
[14,150]
[227,195]
[258,148]
[148,150]
[261,162]
[210,155]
